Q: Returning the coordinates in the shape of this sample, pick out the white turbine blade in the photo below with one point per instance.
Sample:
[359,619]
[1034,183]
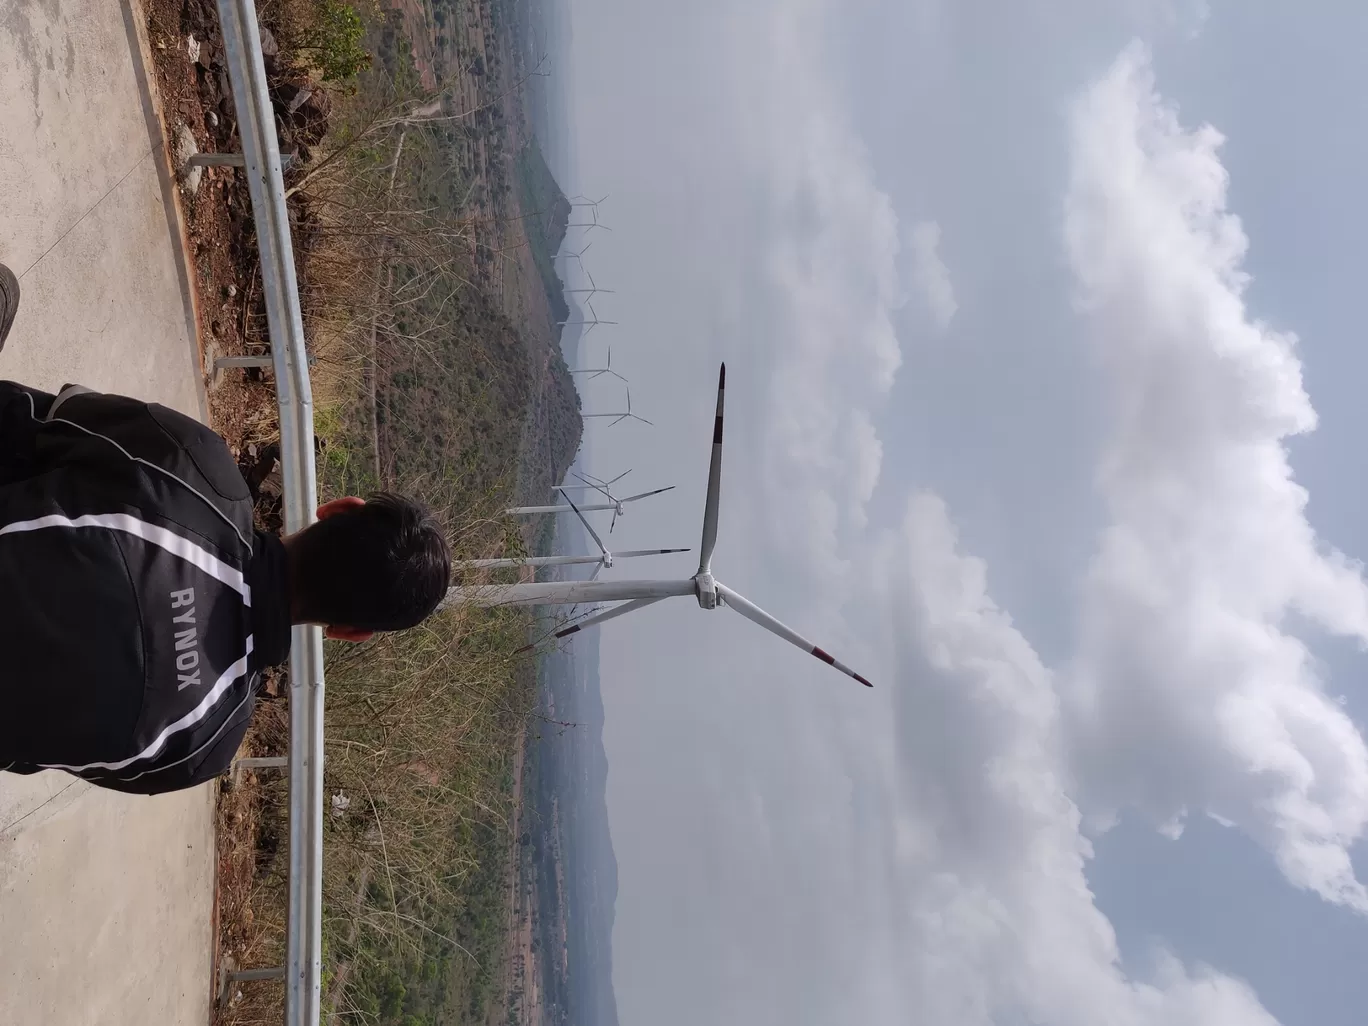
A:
[714,481]
[646,552]
[608,614]
[584,520]
[618,478]
[598,569]
[597,618]
[647,495]
[755,614]
[613,523]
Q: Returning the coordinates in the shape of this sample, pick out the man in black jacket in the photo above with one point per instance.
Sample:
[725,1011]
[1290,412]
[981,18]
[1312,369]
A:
[140,606]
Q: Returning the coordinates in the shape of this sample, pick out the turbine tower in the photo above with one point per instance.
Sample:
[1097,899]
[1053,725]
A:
[703,586]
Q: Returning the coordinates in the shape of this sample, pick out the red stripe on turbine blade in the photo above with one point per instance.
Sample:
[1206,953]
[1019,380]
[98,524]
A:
[568,631]
[828,658]
[717,431]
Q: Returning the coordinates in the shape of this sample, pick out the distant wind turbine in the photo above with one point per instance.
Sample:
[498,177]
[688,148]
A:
[618,506]
[590,225]
[593,483]
[578,256]
[592,323]
[634,595]
[598,372]
[604,559]
[584,201]
[591,290]
[604,488]
[619,417]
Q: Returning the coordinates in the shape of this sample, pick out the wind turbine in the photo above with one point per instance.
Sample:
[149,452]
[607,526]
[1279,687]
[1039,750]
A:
[604,559]
[603,487]
[584,201]
[578,256]
[592,324]
[592,290]
[618,506]
[589,225]
[634,595]
[620,416]
[593,483]
[598,372]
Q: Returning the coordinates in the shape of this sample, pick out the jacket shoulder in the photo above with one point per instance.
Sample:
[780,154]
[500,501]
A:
[176,444]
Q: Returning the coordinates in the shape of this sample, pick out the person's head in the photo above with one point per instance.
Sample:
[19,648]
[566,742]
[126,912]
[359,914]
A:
[367,565]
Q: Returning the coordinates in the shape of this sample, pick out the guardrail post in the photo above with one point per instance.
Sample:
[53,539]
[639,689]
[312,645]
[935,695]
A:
[224,362]
[258,762]
[229,975]
[262,762]
[263,362]
[230,160]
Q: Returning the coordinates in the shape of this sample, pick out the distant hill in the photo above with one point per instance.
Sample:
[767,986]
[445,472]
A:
[547,214]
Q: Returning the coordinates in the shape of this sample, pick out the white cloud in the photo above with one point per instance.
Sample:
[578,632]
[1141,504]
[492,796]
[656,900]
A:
[1190,689]
[995,922]
[831,243]
[930,275]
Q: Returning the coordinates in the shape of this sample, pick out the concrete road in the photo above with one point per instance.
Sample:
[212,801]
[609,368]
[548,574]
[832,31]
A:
[105,900]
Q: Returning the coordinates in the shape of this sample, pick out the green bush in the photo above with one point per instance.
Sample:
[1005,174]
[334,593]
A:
[335,41]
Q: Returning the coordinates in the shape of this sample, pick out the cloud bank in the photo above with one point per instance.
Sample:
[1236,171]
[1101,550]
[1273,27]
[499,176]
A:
[1191,689]
[997,924]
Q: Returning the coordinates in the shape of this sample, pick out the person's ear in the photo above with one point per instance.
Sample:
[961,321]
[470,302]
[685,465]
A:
[336,506]
[356,634]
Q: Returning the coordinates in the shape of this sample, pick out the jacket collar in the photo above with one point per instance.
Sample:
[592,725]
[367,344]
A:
[270,602]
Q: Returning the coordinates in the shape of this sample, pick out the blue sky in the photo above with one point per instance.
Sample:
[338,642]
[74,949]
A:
[1041,322]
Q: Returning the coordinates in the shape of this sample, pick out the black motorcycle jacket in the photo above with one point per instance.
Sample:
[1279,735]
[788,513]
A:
[138,607]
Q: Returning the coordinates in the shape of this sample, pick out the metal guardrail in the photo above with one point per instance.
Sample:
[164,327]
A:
[280,289]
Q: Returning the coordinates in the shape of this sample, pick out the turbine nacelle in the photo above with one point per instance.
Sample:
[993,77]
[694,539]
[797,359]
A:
[705,587]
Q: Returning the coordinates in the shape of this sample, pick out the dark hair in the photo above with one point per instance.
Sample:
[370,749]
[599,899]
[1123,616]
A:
[383,566]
